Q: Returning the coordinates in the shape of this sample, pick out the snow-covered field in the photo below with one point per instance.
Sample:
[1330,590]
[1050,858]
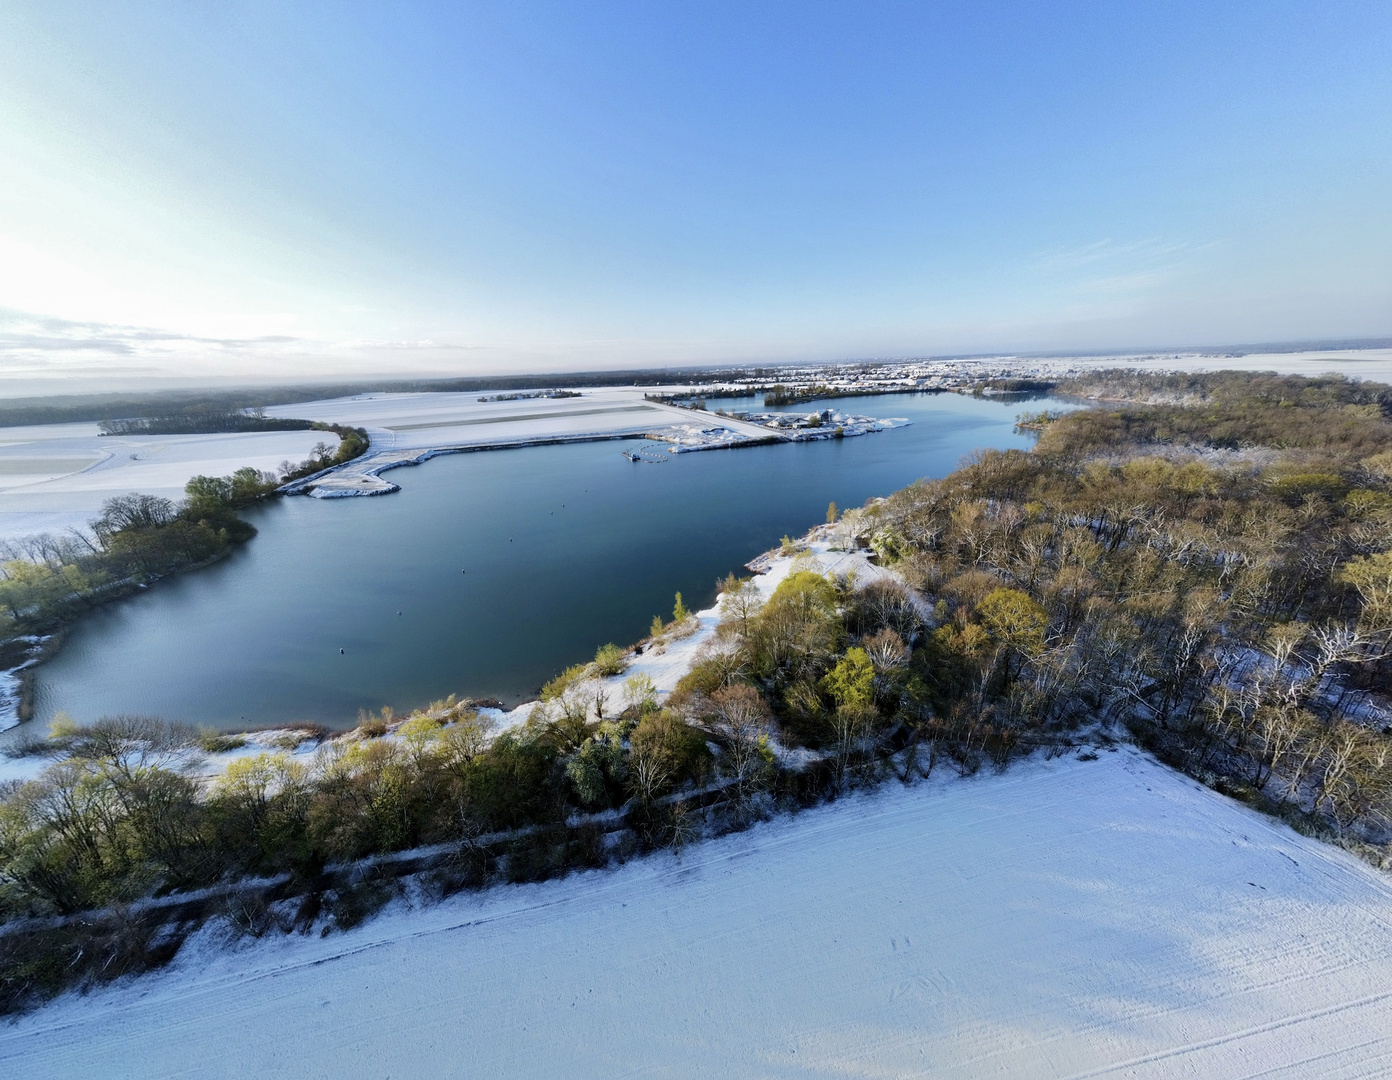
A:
[407,429]
[1374,364]
[422,421]
[56,476]
[1067,919]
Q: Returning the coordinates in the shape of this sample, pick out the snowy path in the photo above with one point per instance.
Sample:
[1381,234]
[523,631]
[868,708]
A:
[1067,920]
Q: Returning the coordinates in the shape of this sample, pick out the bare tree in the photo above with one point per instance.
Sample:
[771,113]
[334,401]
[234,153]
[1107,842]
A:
[740,601]
[887,651]
[131,511]
[740,719]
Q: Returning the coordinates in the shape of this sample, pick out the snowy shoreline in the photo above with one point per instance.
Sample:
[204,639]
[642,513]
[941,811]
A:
[664,661]
[363,475]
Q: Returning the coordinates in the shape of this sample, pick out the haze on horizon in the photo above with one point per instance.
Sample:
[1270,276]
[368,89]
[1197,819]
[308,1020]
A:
[271,189]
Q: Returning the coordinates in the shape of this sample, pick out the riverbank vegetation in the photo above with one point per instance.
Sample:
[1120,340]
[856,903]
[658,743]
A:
[1193,575]
[1330,417]
[352,442]
[47,581]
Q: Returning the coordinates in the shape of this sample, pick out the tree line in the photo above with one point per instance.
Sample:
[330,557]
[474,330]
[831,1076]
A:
[202,423]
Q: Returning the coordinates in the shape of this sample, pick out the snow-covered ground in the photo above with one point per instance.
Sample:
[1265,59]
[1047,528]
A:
[407,429]
[56,476]
[426,420]
[1374,364]
[1071,918]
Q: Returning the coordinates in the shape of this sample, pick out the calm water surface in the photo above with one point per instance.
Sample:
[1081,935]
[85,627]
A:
[564,548]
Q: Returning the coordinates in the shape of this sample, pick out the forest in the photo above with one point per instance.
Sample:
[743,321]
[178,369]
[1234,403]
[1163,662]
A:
[1201,564]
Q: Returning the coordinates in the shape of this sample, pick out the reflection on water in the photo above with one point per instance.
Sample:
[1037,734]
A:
[485,575]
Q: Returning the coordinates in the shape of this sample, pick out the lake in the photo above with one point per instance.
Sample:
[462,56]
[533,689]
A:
[562,548]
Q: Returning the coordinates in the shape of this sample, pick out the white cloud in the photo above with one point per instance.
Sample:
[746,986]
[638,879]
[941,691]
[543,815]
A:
[1109,251]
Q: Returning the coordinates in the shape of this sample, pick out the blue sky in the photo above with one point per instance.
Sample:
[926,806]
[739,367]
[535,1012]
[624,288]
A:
[317,188]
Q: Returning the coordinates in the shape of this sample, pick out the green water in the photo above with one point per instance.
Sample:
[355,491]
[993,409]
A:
[564,548]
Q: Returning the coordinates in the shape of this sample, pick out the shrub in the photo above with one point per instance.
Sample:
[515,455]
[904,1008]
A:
[610,660]
[213,742]
[599,769]
[640,693]
[1294,487]
[562,682]
[852,682]
[666,752]
[703,679]
[1015,619]
[798,630]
